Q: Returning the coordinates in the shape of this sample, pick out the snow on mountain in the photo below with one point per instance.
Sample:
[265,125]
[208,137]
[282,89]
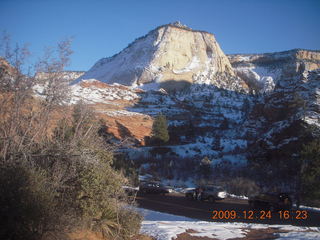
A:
[61,79]
[216,106]
[213,113]
[263,71]
[287,115]
[65,75]
[171,55]
[93,91]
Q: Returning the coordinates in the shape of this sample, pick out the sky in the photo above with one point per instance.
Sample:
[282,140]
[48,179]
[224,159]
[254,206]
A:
[102,28]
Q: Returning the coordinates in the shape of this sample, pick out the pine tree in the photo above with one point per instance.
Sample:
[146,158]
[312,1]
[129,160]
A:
[225,124]
[160,134]
[190,132]
[310,170]
[246,106]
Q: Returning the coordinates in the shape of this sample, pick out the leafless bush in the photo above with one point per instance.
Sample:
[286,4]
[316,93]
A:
[25,120]
[242,186]
[55,168]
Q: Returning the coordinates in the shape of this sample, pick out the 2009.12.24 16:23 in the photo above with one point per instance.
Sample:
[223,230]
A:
[260,215]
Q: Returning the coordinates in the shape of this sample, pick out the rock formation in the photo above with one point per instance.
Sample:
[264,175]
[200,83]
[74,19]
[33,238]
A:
[262,72]
[172,56]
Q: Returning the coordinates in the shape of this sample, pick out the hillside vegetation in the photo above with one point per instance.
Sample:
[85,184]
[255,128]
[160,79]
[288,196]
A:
[55,166]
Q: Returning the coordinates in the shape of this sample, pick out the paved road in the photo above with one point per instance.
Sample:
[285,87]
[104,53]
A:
[177,204]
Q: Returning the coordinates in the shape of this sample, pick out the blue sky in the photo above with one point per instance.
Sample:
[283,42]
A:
[101,28]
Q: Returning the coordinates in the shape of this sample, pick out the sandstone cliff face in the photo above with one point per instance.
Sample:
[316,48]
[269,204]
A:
[169,53]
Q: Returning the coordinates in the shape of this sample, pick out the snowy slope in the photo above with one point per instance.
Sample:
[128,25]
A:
[293,106]
[65,75]
[93,91]
[263,71]
[127,66]
[171,54]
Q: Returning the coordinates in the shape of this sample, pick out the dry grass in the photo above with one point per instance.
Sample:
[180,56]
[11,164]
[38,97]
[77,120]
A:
[89,235]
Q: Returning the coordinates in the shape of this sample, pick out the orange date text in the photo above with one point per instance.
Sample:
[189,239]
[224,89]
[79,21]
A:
[259,215]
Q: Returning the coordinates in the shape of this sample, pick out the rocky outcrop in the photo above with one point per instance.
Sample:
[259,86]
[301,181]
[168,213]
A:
[263,72]
[173,54]
[110,103]
[290,99]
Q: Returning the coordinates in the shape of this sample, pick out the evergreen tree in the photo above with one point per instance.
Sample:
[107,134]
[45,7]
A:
[216,145]
[160,134]
[225,124]
[190,132]
[310,170]
[246,106]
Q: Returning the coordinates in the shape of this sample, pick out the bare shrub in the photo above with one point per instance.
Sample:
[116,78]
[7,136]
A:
[242,187]
[55,169]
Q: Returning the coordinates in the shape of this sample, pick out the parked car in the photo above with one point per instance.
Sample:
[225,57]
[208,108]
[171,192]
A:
[213,193]
[271,201]
[190,193]
[154,187]
[210,193]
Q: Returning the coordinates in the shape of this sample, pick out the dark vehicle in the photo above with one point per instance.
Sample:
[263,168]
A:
[213,193]
[190,193]
[153,187]
[210,193]
[271,201]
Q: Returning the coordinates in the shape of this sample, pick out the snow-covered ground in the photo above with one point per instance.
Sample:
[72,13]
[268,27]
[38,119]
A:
[163,226]
[100,94]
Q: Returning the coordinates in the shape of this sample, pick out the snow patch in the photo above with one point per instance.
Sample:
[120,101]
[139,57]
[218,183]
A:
[192,65]
[117,113]
[95,94]
[265,78]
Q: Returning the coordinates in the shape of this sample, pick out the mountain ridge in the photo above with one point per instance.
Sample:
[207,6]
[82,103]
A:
[284,51]
[176,24]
